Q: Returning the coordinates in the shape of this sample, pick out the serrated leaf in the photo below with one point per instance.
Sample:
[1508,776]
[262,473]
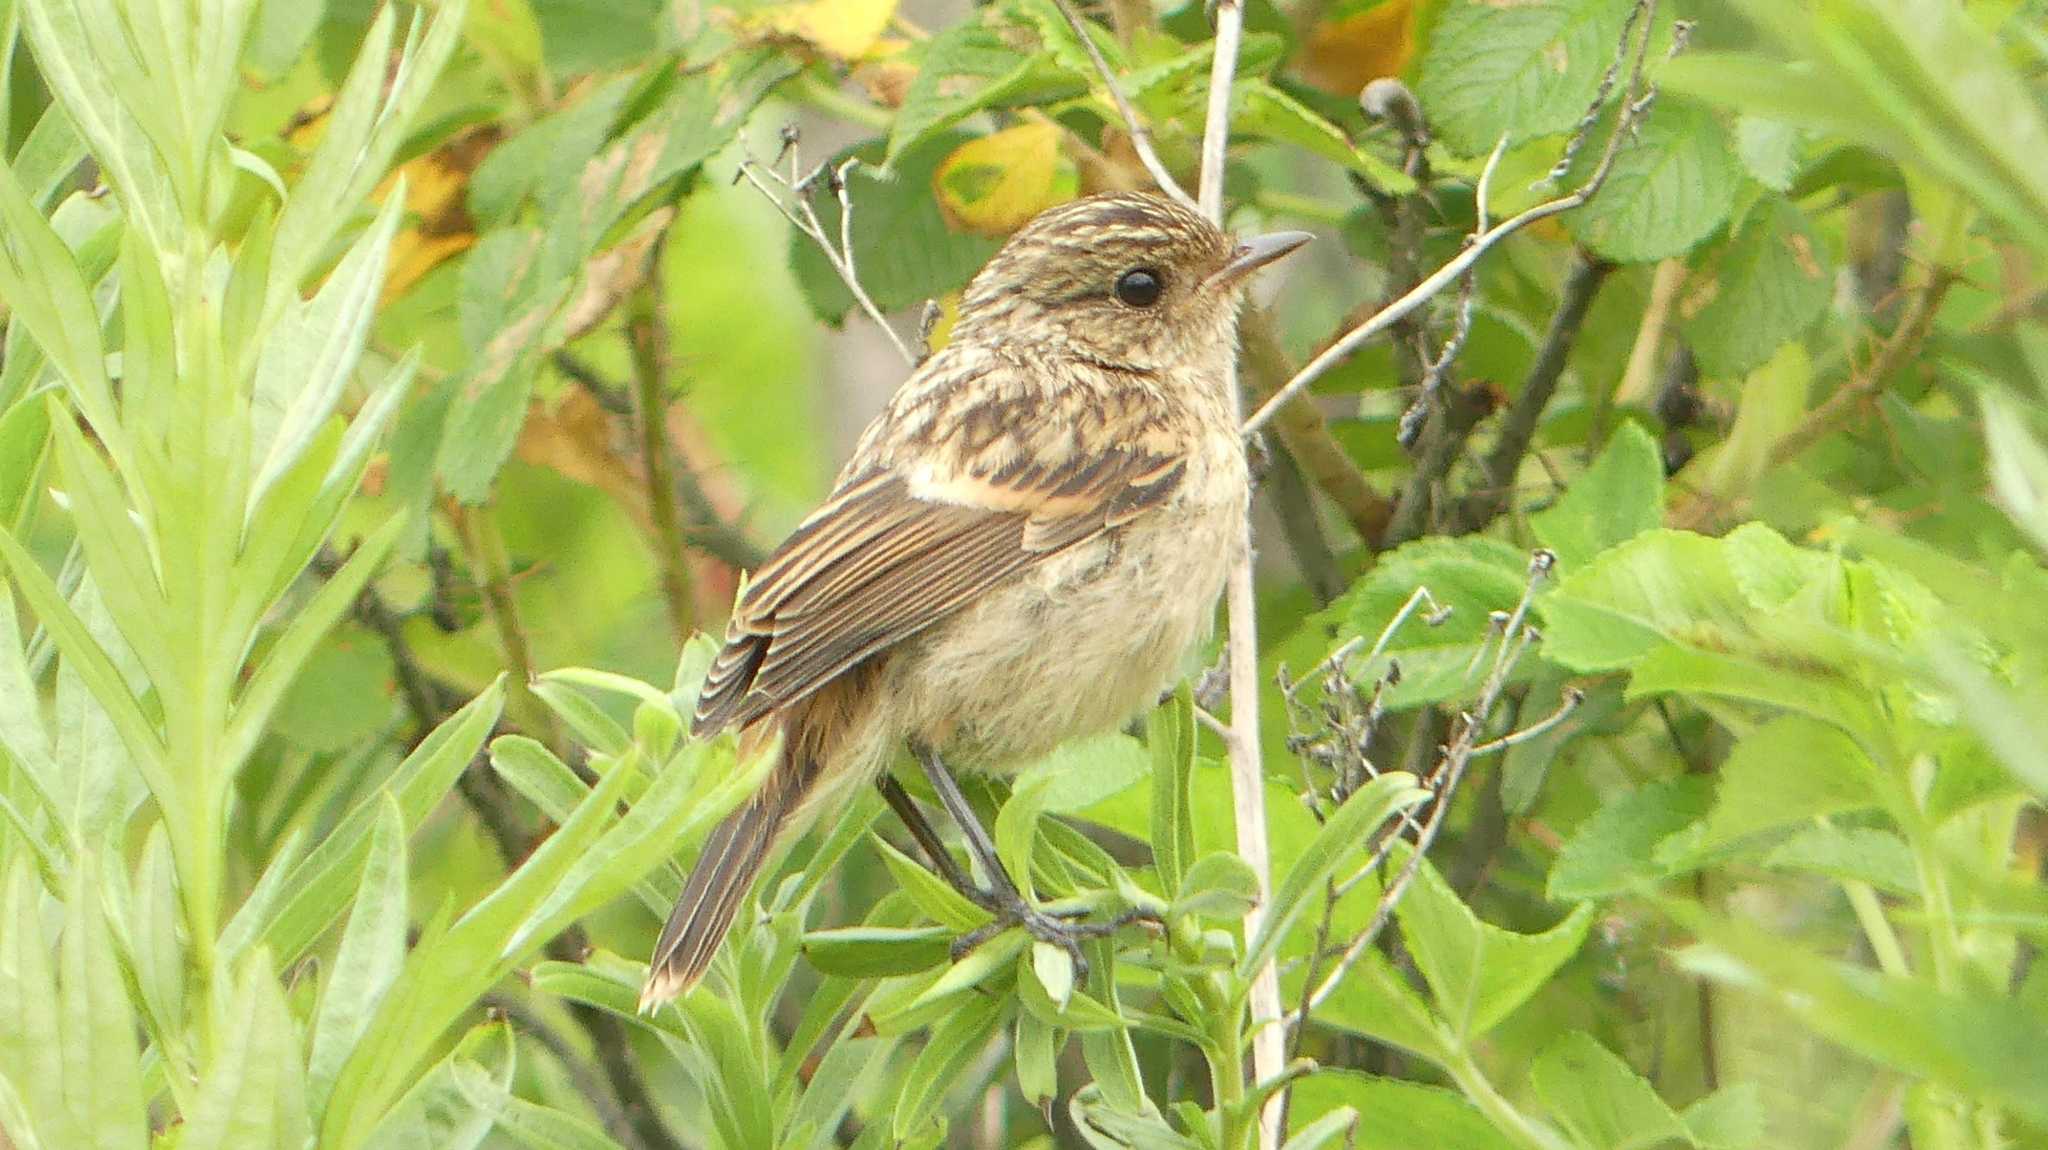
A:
[902,247]
[1614,851]
[1671,187]
[1613,611]
[1619,497]
[1524,70]
[965,68]
[1771,284]
[1755,792]
[1220,885]
[1600,1101]
[1479,973]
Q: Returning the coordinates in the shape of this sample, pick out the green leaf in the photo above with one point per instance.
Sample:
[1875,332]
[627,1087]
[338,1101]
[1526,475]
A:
[1769,151]
[1598,1099]
[29,1001]
[1336,1127]
[1670,188]
[1615,851]
[1036,1051]
[102,1081]
[1108,1051]
[946,906]
[311,353]
[252,1092]
[24,431]
[1471,576]
[1755,792]
[301,899]
[1017,827]
[372,951]
[1523,70]
[1260,110]
[273,675]
[89,660]
[1345,836]
[99,783]
[1053,969]
[457,1102]
[901,244]
[1220,885]
[1975,1043]
[1853,854]
[545,1128]
[1479,972]
[877,951]
[591,725]
[157,954]
[963,69]
[1731,1118]
[1771,284]
[1616,609]
[21,720]
[953,1046]
[1397,1115]
[1618,498]
[1170,737]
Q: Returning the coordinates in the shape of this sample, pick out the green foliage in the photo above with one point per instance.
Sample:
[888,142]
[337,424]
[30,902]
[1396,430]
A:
[1673,775]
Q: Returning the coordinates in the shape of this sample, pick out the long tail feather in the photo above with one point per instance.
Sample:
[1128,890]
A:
[733,857]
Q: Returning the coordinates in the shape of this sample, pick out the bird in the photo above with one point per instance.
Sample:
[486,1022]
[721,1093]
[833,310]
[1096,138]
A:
[1023,548]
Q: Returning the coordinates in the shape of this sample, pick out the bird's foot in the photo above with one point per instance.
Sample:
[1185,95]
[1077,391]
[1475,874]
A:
[1066,929]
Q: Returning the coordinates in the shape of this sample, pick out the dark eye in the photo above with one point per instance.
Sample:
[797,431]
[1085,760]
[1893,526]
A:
[1140,287]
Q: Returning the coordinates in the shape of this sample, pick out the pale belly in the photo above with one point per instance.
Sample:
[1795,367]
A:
[1082,644]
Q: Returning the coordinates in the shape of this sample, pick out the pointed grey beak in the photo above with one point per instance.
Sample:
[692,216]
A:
[1255,252]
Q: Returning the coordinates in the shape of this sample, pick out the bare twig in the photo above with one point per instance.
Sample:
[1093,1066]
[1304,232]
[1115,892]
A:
[1633,109]
[803,216]
[1461,323]
[1905,339]
[1141,138]
[1216,125]
[1516,638]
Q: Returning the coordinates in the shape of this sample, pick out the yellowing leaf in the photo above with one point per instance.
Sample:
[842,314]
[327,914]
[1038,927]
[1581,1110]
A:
[992,185]
[1343,55]
[842,29]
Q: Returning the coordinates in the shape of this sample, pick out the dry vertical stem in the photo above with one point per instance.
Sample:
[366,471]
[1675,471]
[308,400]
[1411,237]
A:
[647,333]
[1141,137]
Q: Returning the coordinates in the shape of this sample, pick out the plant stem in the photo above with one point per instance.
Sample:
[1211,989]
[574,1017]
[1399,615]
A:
[485,546]
[647,332]
[1521,1129]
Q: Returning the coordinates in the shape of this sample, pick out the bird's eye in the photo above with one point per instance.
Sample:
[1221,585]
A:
[1140,287]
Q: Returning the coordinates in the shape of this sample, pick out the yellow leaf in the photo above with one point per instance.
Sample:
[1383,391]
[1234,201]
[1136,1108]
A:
[992,185]
[842,29]
[1343,55]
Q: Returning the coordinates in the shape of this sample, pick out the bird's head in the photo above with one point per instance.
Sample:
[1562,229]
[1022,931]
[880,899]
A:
[1130,279]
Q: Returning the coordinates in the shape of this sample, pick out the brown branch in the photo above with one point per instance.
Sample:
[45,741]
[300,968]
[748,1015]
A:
[1901,345]
[1306,435]
[1445,430]
[653,363]
[1525,411]
[1294,506]
[485,547]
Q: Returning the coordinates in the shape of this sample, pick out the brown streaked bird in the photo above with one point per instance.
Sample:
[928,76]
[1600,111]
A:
[1023,549]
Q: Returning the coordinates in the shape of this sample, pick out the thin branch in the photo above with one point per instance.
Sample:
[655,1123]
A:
[1216,125]
[1633,110]
[1141,138]
[485,546]
[1904,341]
[1518,427]
[1516,639]
[1306,434]
[803,216]
[648,335]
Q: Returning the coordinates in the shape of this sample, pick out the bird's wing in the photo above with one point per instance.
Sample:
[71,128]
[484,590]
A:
[887,557]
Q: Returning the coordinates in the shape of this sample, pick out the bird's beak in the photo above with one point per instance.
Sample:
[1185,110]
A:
[1255,252]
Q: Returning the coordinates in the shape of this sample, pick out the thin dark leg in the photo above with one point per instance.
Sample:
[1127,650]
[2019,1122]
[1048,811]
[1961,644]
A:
[920,829]
[979,844]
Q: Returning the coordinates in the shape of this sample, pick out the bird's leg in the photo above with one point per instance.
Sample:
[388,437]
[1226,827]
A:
[920,828]
[1002,898]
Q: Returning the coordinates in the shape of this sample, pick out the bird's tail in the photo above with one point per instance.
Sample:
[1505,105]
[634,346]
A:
[732,859]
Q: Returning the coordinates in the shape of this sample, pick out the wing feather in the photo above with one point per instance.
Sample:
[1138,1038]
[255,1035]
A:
[879,563]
